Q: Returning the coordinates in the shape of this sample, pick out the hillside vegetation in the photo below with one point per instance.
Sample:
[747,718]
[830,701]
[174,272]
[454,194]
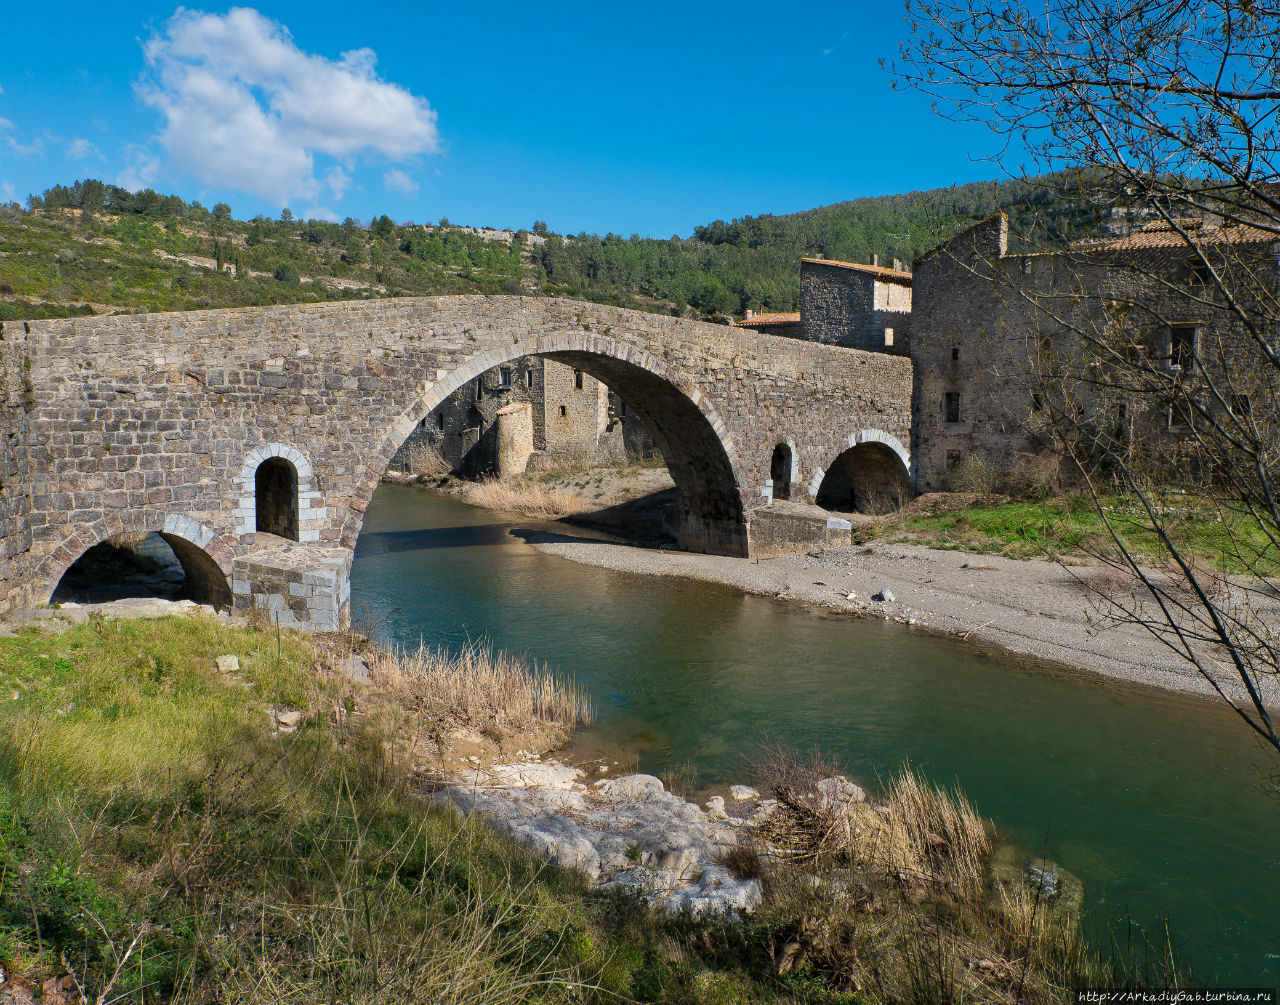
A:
[92,248]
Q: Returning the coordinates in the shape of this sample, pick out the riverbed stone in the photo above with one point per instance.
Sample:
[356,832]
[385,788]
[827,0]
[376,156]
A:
[743,793]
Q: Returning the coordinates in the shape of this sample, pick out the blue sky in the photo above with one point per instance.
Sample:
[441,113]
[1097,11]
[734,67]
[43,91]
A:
[643,119]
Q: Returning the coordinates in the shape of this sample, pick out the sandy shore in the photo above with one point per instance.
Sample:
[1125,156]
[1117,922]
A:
[1032,608]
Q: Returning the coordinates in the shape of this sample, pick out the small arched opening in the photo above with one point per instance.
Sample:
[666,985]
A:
[780,467]
[129,566]
[867,478]
[275,493]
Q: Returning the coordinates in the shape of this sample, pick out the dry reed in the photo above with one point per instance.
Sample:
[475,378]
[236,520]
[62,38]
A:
[478,685]
[525,498]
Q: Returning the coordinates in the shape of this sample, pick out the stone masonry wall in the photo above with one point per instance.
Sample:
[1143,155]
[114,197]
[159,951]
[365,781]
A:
[988,326]
[843,305]
[145,423]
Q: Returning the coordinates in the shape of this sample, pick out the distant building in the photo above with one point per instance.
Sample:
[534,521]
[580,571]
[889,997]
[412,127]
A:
[847,304]
[572,417]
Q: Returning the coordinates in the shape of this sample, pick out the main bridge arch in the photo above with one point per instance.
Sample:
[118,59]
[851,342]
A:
[693,438]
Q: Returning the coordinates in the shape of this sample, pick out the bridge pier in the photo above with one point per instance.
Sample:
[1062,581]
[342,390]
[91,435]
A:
[305,586]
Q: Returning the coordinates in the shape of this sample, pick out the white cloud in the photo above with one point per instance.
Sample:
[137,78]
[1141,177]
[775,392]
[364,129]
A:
[7,191]
[82,149]
[320,213]
[338,181]
[36,146]
[245,108]
[140,172]
[396,180]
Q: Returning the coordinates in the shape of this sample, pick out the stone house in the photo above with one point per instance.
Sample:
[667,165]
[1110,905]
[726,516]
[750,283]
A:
[846,304]
[571,417]
[994,334]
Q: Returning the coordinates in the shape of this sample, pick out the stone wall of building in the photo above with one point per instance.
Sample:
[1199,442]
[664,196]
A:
[995,336]
[856,306]
[156,423]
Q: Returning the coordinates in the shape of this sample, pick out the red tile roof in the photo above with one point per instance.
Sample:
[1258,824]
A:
[1160,235]
[786,318]
[879,271]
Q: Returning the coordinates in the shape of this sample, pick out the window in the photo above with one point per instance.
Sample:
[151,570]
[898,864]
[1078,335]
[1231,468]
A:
[780,471]
[1179,415]
[955,353]
[577,380]
[1241,407]
[1122,411]
[440,421]
[1037,401]
[1198,273]
[622,408]
[1181,346]
[504,376]
[953,458]
[951,406]
[563,411]
[479,389]
[528,378]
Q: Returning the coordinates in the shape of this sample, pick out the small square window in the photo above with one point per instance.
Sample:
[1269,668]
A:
[951,406]
[955,353]
[563,411]
[504,376]
[577,380]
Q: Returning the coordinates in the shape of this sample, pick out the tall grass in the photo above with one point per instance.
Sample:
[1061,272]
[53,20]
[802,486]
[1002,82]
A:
[526,499]
[475,684]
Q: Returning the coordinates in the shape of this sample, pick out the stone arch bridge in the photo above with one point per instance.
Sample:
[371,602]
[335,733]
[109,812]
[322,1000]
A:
[184,423]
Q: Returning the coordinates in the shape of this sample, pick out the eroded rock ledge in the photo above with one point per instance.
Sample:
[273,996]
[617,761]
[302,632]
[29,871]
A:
[627,832]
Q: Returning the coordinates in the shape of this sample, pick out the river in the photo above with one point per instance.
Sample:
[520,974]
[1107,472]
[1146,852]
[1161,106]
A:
[1156,802]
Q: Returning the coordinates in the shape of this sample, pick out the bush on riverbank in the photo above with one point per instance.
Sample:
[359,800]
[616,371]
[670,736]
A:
[524,498]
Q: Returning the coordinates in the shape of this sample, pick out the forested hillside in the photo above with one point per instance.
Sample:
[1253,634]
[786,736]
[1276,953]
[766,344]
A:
[94,248]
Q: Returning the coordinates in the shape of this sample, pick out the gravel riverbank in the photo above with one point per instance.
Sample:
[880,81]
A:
[1033,608]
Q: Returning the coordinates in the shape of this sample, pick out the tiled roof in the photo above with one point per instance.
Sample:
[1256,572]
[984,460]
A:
[879,271]
[787,318]
[1162,236]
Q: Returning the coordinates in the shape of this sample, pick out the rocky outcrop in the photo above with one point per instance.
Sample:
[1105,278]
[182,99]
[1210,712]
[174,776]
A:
[621,833]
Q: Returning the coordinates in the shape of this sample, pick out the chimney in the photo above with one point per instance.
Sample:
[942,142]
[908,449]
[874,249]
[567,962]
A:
[875,260]
[897,265]
[750,314]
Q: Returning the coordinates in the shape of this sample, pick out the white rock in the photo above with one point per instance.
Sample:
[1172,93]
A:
[354,667]
[837,794]
[885,596]
[715,808]
[743,793]
[228,664]
[630,788]
[288,720]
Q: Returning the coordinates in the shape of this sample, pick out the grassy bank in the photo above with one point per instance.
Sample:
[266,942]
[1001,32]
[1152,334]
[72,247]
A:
[1070,527]
[161,839]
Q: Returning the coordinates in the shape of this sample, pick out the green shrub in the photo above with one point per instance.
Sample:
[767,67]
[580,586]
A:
[287,272]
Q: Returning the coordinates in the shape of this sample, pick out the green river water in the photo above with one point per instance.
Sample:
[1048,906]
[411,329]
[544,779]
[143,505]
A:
[1157,803]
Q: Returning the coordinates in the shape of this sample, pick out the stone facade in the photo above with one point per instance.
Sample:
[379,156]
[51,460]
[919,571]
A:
[574,417]
[988,328]
[158,423]
[856,306]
